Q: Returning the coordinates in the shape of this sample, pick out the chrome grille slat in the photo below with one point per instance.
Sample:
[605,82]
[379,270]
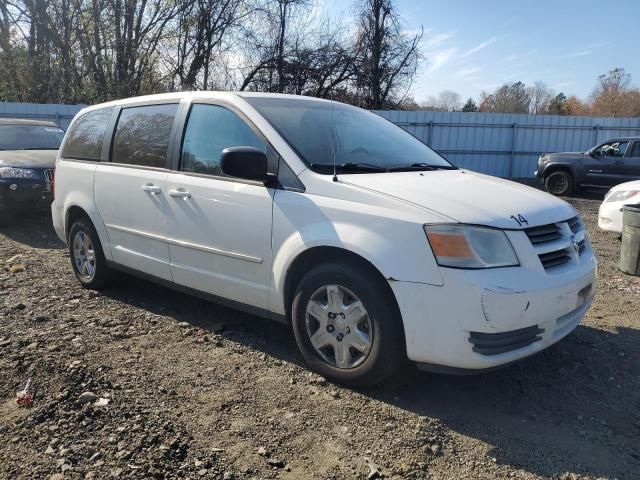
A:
[552,243]
[574,224]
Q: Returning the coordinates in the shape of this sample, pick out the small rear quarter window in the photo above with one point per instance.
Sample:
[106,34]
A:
[86,134]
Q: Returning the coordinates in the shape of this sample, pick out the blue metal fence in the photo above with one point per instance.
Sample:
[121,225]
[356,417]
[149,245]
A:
[60,114]
[508,145]
[500,144]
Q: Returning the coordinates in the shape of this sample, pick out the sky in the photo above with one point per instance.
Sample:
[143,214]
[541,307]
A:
[471,46]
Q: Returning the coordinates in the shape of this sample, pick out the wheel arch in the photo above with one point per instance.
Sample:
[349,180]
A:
[77,209]
[318,255]
[555,167]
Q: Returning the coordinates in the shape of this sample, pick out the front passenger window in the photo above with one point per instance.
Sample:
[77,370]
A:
[614,149]
[211,129]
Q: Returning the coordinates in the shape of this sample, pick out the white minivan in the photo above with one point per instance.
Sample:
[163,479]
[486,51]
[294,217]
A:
[328,217]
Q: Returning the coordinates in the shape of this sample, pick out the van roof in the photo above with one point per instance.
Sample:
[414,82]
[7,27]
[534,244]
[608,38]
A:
[201,94]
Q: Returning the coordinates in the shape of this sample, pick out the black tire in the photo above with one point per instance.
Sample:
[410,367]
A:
[387,350]
[102,275]
[559,183]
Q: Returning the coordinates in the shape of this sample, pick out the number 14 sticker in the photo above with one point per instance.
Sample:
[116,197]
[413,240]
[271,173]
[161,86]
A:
[520,219]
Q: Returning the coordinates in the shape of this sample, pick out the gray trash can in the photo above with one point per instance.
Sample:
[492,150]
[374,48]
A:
[630,255]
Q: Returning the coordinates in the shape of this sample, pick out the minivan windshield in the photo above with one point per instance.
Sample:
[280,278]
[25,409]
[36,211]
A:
[30,137]
[363,142]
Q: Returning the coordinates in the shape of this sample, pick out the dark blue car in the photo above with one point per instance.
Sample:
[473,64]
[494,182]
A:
[28,150]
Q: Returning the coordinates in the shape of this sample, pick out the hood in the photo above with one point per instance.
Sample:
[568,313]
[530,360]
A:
[28,158]
[634,185]
[468,197]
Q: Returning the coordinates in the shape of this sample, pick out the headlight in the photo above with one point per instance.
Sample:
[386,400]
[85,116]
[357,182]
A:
[470,247]
[10,172]
[621,195]
[542,158]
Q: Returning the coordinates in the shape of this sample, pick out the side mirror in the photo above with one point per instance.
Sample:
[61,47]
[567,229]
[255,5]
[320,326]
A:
[248,163]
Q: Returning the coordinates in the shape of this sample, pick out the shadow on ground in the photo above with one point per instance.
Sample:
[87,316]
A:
[33,230]
[571,408]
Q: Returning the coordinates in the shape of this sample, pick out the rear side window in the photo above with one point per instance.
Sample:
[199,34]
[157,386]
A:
[142,135]
[85,137]
[211,129]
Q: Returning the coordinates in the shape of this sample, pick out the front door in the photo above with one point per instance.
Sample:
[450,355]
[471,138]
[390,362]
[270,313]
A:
[130,191]
[219,227]
[632,162]
[605,165]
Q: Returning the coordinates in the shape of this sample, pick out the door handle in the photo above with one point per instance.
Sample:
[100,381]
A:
[619,162]
[151,188]
[179,194]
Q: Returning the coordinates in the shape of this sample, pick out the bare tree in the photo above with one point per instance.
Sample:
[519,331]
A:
[540,97]
[449,101]
[388,57]
[201,28]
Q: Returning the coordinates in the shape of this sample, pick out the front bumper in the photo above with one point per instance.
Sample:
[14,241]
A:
[526,311]
[610,216]
[20,195]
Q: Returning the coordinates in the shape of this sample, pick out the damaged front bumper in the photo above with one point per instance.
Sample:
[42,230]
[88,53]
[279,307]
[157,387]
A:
[483,319]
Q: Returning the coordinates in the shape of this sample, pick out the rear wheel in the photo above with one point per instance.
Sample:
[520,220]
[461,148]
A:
[559,182]
[347,325]
[87,257]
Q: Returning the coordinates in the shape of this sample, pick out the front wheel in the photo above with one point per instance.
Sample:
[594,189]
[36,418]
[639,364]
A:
[559,183]
[87,257]
[347,325]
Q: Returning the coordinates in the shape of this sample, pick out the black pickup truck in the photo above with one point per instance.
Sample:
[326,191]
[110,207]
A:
[608,164]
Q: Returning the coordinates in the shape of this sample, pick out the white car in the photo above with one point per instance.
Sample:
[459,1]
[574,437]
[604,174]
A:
[610,211]
[328,217]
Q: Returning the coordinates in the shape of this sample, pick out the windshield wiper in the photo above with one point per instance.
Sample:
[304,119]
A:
[361,166]
[349,167]
[421,166]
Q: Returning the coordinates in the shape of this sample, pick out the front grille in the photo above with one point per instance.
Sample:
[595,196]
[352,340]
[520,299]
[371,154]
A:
[544,233]
[575,224]
[497,343]
[553,259]
[555,242]
[48,175]
[581,246]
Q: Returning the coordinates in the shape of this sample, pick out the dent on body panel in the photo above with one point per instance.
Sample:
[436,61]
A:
[503,305]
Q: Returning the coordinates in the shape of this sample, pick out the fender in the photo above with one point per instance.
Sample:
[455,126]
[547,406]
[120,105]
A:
[80,197]
[563,164]
[396,247]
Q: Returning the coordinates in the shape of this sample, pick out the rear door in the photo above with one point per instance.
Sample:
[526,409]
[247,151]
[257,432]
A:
[130,190]
[219,227]
[605,166]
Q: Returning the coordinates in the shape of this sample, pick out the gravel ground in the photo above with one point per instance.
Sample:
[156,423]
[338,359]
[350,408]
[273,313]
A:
[179,388]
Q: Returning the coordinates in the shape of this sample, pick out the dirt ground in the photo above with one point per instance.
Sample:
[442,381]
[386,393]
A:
[188,389]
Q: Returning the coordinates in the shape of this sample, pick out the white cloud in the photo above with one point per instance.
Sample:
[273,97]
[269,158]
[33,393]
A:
[438,58]
[479,47]
[581,53]
[436,40]
[468,72]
